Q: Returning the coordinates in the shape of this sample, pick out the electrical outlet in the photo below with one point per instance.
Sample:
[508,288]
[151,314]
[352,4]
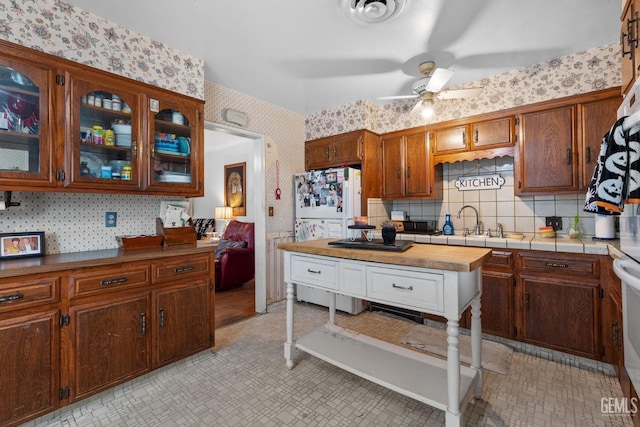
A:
[270,210]
[554,221]
[110,219]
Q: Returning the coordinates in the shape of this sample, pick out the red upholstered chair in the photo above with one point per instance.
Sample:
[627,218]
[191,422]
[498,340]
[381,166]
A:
[235,265]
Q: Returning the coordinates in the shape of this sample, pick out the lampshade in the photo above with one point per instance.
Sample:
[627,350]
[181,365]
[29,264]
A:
[223,212]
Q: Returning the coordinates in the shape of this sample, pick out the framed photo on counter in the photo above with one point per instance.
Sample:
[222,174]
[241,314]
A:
[20,245]
[234,188]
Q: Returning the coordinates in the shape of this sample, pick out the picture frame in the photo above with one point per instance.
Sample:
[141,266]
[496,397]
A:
[21,245]
[235,195]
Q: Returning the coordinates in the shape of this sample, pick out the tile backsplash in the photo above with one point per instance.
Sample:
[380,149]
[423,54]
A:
[76,222]
[516,214]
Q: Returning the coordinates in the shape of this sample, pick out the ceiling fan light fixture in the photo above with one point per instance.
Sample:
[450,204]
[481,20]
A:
[372,11]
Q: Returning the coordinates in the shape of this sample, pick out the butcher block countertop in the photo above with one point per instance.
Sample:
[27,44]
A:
[450,258]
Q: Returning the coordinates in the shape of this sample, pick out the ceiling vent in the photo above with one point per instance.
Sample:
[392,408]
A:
[372,11]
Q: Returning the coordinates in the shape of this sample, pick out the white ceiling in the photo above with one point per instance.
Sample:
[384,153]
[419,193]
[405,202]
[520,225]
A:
[306,55]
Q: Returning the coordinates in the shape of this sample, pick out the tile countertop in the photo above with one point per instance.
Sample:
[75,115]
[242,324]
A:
[561,243]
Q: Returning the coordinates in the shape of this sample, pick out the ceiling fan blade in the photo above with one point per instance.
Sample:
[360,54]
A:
[439,78]
[460,93]
[417,108]
[383,98]
[341,67]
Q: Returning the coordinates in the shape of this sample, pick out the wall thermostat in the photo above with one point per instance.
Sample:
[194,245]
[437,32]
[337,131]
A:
[234,116]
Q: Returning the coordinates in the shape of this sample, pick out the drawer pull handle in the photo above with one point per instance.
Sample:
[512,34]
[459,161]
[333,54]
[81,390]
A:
[7,298]
[555,265]
[183,269]
[314,271]
[115,281]
[404,288]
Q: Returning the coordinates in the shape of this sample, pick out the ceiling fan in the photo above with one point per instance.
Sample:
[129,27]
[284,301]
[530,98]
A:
[428,88]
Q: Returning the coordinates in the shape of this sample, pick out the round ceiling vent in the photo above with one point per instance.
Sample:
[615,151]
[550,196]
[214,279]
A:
[372,11]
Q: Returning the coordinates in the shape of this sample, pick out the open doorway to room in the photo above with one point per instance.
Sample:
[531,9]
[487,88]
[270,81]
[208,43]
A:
[224,145]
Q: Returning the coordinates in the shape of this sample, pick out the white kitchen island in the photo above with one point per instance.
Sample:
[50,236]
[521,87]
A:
[436,279]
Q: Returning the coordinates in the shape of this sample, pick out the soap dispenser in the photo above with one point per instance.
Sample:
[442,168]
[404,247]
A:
[447,229]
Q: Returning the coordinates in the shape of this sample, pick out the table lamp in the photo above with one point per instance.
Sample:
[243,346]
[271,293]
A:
[222,215]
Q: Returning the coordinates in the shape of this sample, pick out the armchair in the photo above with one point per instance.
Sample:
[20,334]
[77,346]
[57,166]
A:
[235,264]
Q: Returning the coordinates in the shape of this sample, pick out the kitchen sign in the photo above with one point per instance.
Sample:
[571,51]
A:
[480,182]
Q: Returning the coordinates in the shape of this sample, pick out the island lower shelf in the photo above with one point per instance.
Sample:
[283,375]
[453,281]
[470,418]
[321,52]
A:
[416,375]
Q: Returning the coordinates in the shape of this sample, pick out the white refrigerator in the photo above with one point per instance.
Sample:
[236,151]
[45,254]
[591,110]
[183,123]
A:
[326,202]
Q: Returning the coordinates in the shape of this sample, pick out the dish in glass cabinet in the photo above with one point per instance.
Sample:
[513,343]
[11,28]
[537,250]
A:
[184,145]
[93,163]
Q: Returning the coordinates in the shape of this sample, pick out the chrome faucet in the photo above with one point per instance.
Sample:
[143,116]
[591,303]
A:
[477,231]
[500,230]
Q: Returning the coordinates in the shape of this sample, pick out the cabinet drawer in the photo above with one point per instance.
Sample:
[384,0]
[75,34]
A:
[411,289]
[167,269]
[22,293]
[499,260]
[561,264]
[314,272]
[108,279]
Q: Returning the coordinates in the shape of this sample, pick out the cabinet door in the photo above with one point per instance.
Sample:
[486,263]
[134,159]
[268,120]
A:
[498,317]
[26,146]
[29,349]
[492,134]
[392,166]
[450,139]
[110,343]
[101,140]
[561,314]
[175,146]
[628,57]
[347,149]
[182,321]
[418,179]
[547,159]
[596,119]
[317,154]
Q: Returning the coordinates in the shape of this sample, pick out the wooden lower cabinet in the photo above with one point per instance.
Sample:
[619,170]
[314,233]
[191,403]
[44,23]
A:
[70,333]
[182,321]
[561,314]
[498,294]
[110,343]
[29,348]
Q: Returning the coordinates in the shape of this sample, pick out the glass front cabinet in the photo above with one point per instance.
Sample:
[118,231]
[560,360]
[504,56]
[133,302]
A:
[174,156]
[25,131]
[68,127]
[103,135]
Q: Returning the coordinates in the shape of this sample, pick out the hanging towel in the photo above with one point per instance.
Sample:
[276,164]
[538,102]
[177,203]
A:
[616,176]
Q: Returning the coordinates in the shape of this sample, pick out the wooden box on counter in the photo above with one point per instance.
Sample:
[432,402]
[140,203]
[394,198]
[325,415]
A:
[176,235]
[137,242]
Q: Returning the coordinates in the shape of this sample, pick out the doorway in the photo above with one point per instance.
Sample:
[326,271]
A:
[227,145]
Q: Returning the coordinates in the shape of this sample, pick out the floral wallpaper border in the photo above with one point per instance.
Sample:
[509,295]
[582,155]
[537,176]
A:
[60,29]
[591,70]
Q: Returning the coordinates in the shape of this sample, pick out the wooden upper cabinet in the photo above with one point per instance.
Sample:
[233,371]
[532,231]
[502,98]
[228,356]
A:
[334,151]
[547,151]
[596,119]
[407,170]
[492,133]
[73,128]
[561,143]
[450,139]
[492,137]
[26,122]
[629,45]
[393,178]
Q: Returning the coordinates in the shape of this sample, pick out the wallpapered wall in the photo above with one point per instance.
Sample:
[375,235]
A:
[55,27]
[594,69]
